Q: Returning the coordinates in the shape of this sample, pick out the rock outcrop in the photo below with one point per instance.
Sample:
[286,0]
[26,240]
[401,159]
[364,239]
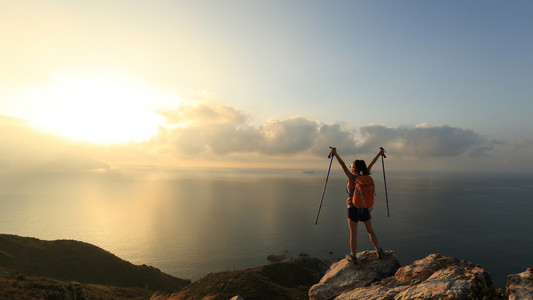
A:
[520,286]
[343,276]
[434,277]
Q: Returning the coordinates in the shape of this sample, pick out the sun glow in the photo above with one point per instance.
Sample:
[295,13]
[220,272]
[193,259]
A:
[97,109]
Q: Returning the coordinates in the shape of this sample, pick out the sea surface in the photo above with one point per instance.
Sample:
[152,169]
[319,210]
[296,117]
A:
[191,223]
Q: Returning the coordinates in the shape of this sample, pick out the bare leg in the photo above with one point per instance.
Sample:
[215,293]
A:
[353,235]
[371,234]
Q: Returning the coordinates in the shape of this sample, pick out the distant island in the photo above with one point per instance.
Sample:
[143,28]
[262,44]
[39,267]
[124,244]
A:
[66,269]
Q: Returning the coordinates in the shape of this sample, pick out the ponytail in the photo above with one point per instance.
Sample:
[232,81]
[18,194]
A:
[360,165]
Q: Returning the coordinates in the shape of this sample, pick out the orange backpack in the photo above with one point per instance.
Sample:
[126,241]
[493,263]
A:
[363,196]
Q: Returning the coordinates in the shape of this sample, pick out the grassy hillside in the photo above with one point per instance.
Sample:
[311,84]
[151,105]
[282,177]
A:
[82,262]
[14,285]
[66,269]
[289,279]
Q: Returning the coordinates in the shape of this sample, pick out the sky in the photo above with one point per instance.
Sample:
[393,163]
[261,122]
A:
[97,85]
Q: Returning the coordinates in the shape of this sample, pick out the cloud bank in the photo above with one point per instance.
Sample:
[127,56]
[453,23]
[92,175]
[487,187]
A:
[221,130]
[423,141]
[205,133]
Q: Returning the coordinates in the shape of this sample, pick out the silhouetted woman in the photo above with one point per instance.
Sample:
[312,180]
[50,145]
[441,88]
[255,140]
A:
[359,184]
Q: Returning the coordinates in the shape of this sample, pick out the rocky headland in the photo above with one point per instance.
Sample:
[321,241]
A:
[81,262]
[433,277]
[36,269]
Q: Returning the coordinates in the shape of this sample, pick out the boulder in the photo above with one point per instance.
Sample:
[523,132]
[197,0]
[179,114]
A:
[438,277]
[434,277]
[344,276]
[277,258]
[520,286]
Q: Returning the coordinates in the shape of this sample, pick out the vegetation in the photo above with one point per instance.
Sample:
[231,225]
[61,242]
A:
[14,285]
[66,269]
[482,291]
[81,262]
[288,279]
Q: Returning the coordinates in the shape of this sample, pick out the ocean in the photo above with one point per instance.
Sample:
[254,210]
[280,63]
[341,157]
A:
[191,223]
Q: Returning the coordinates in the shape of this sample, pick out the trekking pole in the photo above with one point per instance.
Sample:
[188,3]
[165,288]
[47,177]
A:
[325,184]
[385,179]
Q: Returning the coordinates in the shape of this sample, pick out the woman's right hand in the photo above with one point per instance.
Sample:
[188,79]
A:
[334,151]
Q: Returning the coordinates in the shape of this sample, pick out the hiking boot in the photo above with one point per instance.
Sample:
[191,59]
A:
[380,253]
[351,258]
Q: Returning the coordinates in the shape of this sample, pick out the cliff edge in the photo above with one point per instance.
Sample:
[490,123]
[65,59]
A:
[433,277]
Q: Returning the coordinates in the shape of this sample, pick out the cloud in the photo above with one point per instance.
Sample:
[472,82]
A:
[424,141]
[222,130]
[523,144]
[212,132]
[293,135]
[203,113]
[195,128]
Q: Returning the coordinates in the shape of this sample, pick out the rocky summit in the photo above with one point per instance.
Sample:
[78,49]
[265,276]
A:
[433,277]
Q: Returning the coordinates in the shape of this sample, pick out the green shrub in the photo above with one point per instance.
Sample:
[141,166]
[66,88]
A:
[483,292]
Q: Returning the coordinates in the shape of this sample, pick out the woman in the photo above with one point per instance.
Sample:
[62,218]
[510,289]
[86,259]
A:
[361,213]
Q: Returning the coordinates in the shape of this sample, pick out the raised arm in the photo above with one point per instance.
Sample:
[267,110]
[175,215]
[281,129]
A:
[381,152]
[343,165]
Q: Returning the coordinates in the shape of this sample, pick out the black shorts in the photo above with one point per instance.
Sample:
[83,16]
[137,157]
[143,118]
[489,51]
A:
[358,214]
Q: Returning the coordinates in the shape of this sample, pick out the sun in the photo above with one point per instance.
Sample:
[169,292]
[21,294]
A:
[98,109]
